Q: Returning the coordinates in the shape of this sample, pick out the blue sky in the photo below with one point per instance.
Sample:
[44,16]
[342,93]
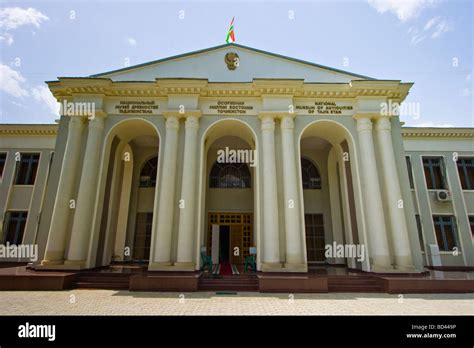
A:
[428,42]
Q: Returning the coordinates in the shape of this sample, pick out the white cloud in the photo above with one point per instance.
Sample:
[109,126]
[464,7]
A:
[20,105]
[440,28]
[14,17]
[433,28]
[416,37]
[131,41]
[467,92]
[403,9]
[43,95]
[433,125]
[6,38]
[431,22]
[11,81]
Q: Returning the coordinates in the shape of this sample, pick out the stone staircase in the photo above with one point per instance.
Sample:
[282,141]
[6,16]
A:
[241,282]
[357,283]
[113,281]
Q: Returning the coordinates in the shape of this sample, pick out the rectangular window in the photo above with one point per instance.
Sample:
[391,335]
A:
[445,229]
[315,242]
[26,169]
[15,222]
[466,172]
[410,172]
[434,173]
[420,232]
[471,222]
[3,159]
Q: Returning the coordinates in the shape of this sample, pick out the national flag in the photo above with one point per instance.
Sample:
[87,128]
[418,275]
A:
[230,35]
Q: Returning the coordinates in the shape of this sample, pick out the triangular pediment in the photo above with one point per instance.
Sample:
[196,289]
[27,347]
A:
[211,64]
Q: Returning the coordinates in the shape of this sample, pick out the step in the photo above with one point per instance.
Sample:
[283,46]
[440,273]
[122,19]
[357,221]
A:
[228,288]
[97,285]
[102,280]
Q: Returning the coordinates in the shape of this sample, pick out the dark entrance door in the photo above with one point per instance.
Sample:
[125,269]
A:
[224,243]
[141,245]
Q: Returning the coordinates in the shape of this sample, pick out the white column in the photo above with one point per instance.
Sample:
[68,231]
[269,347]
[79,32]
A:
[271,243]
[374,216]
[397,220]
[293,233]
[188,192]
[84,213]
[164,229]
[56,245]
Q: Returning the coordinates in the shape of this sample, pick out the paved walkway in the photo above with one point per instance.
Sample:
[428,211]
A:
[104,302]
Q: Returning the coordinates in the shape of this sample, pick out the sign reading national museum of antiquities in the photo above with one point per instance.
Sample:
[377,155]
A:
[230,107]
[136,107]
[323,108]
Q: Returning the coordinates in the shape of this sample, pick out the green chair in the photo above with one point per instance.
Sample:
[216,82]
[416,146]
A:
[250,261]
[206,260]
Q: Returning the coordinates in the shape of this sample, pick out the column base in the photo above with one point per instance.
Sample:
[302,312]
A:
[47,263]
[184,266]
[75,264]
[65,265]
[161,266]
[271,267]
[406,269]
[382,269]
[295,267]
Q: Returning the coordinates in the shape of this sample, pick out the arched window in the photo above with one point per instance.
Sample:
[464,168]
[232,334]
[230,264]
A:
[310,174]
[229,175]
[148,173]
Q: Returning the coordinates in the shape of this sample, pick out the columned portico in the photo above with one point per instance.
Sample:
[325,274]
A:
[374,214]
[270,235]
[397,220]
[85,206]
[56,245]
[186,228]
[294,258]
[161,258]
[227,172]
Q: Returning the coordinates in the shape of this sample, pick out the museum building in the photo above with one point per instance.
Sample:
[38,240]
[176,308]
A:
[236,155]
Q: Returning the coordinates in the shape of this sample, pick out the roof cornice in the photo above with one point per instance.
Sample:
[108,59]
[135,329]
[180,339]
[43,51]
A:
[433,132]
[67,87]
[29,129]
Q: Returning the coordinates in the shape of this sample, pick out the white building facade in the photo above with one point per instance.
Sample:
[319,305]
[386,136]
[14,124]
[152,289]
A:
[311,160]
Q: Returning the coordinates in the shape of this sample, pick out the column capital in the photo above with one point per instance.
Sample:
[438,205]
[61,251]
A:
[181,113]
[96,122]
[287,123]
[363,123]
[383,123]
[192,122]
[276,114]
[77,121]
[268,123]
[172,122]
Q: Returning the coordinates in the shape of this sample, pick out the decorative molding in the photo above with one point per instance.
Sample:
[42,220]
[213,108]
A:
[415,132]
[67,87]
[28,129]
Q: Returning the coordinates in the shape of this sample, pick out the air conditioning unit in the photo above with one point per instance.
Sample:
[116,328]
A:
[443,196]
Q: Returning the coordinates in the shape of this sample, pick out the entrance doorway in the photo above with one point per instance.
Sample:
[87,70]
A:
[315,242]
[141,245]
[235,236]
[224,243]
